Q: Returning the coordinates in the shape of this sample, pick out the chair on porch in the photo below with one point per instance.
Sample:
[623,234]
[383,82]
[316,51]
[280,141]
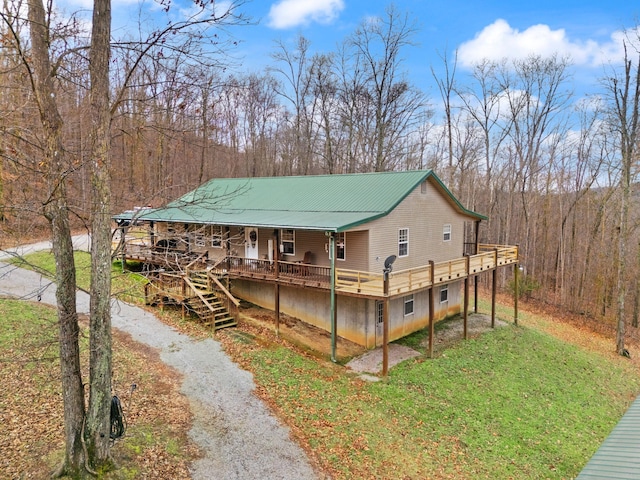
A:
[303,269]
[307,258]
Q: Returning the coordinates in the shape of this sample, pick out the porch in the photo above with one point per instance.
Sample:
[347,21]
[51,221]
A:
[347,282]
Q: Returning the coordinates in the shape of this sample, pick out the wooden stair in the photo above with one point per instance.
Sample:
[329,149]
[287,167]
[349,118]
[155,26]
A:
[206,304]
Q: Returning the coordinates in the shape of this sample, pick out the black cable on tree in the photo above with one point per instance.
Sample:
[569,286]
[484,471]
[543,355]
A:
[117,419]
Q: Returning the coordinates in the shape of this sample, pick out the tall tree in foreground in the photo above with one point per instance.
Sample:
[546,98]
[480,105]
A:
[56,210]
[45,58]
[98,414]
[624,95]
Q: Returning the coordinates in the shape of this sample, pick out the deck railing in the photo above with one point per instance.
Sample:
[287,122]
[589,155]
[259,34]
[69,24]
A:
[368,283]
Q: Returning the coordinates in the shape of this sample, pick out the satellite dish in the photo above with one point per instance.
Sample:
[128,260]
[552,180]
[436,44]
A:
[388,262]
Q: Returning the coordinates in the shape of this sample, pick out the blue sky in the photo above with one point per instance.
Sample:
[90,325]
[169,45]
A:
[588,31]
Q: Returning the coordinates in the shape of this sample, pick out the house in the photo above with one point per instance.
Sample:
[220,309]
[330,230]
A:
[315,247]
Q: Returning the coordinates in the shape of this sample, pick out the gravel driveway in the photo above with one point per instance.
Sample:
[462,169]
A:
[239,436]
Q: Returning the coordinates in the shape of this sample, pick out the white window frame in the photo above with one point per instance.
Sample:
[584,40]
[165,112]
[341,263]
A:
[217,236]
[408,301]
[444,292]
[199,240]
[342,257]
[403,240]
[285,239]
[446,232]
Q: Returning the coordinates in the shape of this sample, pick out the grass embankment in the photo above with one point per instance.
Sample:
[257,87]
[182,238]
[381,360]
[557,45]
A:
[517,402]
[513,403]
[31,425]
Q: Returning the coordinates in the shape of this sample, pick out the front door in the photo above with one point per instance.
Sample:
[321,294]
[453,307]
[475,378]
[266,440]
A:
[251,243]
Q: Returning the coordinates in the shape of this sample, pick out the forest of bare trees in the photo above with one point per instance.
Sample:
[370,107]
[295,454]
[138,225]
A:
[554,172]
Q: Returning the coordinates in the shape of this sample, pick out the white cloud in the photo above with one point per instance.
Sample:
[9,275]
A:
[499,41]
[292,13]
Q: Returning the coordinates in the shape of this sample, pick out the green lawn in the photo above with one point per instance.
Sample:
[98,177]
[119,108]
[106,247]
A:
[127,286]
[513,403]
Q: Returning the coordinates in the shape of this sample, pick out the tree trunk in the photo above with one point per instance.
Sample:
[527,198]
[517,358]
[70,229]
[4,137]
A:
[57,212]
[98,415]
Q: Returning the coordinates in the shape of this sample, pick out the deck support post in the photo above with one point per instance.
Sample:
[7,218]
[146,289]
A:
[333,319]
[494,283]
[276,271]
[385,324]
[431,308]
[466,298]
[123,232]
[475,294]
[516,291]
[475,278]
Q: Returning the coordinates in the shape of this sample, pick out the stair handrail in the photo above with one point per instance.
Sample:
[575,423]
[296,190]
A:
[233,299]
[198,293]
[197,259]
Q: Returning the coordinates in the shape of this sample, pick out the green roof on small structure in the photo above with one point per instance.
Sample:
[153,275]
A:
[312,202]
[618,457]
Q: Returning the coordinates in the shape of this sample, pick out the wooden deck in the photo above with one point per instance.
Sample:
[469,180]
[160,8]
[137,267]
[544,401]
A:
[349,282]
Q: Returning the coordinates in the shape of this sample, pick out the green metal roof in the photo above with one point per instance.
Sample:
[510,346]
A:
[619,455]
[313,202]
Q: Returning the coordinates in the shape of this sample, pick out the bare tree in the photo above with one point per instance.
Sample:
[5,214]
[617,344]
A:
[624,95]
[46,62]
[98,426]
[377,46]
[446,86]
[294,67]
[41,74]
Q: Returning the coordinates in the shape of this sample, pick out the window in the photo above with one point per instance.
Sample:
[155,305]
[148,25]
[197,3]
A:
[216,236]
[199,239]
[408,305]
[444,294]
[379,312]
[403,242]
[341,245]
[288,241]
[446,232]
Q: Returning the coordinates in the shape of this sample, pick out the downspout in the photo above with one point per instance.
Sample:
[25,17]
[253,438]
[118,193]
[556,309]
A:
[332,257]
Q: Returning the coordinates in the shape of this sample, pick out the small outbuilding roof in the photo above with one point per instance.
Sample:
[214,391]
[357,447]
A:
[619,455]
[314,202]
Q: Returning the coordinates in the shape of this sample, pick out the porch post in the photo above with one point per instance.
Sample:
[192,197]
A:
[431,308]
[332,256]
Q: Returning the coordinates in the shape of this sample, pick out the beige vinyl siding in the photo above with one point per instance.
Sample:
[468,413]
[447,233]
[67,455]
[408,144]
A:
[424,214]
[357,251]
[309,241]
